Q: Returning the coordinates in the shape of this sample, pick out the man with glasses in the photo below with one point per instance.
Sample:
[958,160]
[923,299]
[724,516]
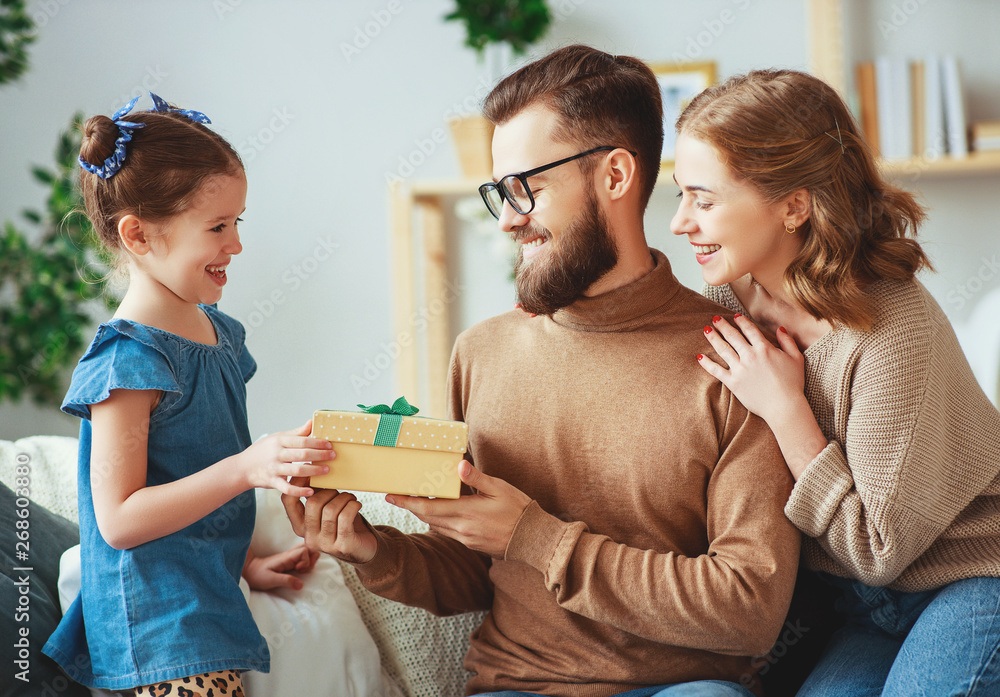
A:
[623,521]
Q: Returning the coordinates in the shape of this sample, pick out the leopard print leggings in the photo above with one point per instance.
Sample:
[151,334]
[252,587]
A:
[222,683]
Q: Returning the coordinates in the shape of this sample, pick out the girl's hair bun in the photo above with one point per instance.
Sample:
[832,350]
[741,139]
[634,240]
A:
[99,136]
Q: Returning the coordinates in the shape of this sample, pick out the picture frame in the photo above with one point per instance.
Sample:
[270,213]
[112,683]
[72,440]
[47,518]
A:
[679,84]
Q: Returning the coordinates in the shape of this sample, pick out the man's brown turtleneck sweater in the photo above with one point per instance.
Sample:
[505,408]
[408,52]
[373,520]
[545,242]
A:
[655,549]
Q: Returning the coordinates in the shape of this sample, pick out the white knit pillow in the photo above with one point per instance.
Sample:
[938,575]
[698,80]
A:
[52,462]
[421,652]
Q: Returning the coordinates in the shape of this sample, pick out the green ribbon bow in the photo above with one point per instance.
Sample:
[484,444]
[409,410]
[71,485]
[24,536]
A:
[390,420]
[400,407]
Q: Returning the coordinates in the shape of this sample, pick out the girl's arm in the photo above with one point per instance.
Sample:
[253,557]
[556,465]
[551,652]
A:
[130,513]
[770,382]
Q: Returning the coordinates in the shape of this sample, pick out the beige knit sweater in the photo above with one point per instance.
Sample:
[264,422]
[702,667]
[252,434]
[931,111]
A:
[655,549]
[907,493]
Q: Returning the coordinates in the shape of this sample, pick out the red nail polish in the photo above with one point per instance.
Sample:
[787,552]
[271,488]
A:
[782,330]
[708,330]
[716,319]
[700,356]
[737,315]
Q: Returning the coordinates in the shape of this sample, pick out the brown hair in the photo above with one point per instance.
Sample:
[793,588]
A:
[165,165]
[783,130]
[600,99]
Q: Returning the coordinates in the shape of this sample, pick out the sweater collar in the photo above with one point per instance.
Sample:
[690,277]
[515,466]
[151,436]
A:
[614,310]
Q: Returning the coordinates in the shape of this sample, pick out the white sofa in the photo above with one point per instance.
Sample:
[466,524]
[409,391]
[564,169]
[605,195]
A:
[330,639]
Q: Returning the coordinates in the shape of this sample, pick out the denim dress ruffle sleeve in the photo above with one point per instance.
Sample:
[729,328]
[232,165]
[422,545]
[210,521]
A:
[171,607]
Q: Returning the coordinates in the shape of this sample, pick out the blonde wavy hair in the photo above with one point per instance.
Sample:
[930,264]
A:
[784,130]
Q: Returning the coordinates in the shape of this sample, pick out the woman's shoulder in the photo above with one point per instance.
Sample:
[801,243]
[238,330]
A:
[908,329]
[904,307]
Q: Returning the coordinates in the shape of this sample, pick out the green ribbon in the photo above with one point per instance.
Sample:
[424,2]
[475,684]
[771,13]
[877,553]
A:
[390,420]
[400,407]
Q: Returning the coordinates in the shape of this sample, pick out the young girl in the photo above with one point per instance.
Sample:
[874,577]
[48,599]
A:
[167,469]
[894,447]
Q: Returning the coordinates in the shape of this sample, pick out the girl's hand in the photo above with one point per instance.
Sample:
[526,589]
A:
[276,571]
[768,380]
[270,461]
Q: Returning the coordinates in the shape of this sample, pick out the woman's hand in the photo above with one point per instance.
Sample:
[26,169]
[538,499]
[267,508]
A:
[768,380]
[271,460]
[278,570]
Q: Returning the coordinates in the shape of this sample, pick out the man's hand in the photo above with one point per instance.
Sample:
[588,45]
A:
[328,521]
[483,521]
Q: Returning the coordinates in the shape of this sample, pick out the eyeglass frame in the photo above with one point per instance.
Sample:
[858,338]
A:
[523,178]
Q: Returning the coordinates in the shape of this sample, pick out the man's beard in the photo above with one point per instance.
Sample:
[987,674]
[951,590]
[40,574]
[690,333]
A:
[558,276]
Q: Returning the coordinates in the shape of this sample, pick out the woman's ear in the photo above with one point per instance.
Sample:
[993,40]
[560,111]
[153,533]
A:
[798,207]
[133,235]
[621,173]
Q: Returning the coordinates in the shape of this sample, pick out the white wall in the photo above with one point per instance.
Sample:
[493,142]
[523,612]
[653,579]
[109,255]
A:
[321,128]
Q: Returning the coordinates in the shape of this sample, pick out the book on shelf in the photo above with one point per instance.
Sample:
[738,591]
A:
[913,108]
[986,136]
[954,108]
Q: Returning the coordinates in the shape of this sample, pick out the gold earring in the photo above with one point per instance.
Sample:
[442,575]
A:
[789,228]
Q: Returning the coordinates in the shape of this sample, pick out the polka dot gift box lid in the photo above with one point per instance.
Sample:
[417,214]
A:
[416,432]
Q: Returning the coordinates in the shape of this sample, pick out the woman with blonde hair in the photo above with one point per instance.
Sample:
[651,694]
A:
[894,447]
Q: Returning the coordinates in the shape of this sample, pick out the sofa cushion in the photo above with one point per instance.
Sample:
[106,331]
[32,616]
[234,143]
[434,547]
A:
[28,590]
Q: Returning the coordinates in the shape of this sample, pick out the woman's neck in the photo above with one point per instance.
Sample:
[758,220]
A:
[772,306]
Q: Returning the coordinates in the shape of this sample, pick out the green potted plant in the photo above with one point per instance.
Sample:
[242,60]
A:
[52,284]
[495,29]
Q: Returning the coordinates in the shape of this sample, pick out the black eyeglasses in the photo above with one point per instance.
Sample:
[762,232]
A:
[515,190]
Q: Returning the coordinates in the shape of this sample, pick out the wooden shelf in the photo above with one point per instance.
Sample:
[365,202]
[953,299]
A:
[976,164]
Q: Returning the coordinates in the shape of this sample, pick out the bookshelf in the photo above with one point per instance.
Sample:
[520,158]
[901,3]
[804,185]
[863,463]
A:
[829,61]
[417,220]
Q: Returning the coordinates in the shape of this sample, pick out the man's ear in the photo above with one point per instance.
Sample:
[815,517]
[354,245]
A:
[133,234]
[622,173]
[798,207]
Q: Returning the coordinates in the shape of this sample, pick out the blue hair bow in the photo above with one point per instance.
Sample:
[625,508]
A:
[163,107]
[112,164]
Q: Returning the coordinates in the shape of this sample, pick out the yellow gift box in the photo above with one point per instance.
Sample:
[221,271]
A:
[385,450]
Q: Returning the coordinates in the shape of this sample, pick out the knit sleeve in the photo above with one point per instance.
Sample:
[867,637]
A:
[916,452]
[730,600]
